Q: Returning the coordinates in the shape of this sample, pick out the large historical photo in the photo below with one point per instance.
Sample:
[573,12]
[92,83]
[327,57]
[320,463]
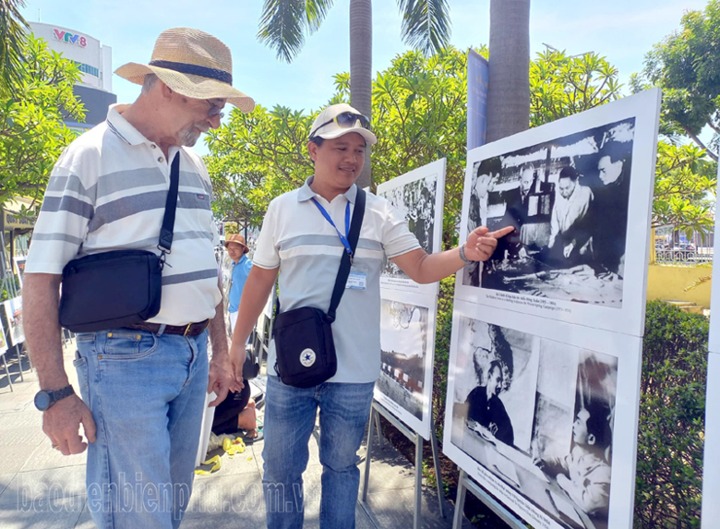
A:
[568,201]
[579,202]
[407,338]
[537,417]
[418,196]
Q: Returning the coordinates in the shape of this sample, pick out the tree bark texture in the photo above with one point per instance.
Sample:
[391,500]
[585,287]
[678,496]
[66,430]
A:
[361,68]
[509,73]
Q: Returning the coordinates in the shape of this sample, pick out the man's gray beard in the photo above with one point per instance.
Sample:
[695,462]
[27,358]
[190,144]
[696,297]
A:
[189,137]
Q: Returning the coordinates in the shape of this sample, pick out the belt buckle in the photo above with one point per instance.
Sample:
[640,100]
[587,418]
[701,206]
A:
[187,329]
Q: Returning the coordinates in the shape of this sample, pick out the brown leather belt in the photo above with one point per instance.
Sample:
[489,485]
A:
[191,329]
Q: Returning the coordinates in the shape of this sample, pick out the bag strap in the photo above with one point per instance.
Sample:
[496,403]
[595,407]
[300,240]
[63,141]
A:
[346,261]
[168,225]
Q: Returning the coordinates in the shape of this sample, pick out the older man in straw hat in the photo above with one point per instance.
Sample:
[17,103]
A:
[143,388]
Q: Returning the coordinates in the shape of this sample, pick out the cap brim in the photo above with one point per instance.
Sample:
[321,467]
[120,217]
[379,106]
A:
[194,86]
[370,138]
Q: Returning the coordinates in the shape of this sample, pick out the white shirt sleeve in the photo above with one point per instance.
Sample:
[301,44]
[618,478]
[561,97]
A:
[266,250]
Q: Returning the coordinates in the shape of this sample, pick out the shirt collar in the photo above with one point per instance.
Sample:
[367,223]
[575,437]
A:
[126,132]
[122,127]
[306,193]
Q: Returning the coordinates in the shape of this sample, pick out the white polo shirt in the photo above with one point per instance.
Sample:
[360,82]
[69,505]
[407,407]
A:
[108,191]
[297,238]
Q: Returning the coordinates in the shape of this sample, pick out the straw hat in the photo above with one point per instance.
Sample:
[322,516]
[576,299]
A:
[237,239]
[192,63]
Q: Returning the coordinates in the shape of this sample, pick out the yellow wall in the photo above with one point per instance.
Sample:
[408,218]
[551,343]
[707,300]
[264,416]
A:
[667,282]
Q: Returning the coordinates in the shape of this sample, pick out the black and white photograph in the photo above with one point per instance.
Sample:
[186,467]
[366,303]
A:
[497,378]
[568,202]
[579,201]
[541,418]
[418,196]
[407,338]
[13,317]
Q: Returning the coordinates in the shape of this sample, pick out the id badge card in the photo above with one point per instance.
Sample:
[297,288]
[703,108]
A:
[357,279]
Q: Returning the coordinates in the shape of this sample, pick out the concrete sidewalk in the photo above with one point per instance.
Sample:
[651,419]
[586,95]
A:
[40,488]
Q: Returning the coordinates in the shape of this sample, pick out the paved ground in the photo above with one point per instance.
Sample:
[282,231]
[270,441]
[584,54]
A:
[41,488]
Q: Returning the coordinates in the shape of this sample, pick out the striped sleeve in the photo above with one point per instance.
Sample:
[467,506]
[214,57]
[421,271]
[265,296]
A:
[397,237]
[67,209]
[266,250]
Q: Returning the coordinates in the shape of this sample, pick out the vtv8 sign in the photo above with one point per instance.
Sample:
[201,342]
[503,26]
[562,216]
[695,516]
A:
[70,38]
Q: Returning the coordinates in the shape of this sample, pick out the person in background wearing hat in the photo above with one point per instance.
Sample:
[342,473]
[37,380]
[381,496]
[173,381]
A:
[241,265]
[302,246]
[143,388]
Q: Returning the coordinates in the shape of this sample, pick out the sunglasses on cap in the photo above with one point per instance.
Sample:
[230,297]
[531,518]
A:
[345,120]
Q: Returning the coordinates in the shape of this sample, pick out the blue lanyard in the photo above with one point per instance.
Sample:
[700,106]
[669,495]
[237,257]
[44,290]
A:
[343,238]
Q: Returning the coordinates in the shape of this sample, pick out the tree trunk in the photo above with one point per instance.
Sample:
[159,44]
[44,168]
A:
[361,68]
[509,77]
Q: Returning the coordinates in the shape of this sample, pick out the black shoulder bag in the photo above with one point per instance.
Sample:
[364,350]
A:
[304,345]
[119,288]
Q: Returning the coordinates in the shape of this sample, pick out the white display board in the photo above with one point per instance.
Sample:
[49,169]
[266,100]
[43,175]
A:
[3,341]
[407,332]
[549,372]
[419,195]
[20,261]
[711,476]
[13,315]
[545,357]
[600,281]
[407,343]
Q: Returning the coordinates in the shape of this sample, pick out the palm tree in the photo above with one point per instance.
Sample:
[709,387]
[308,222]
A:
[508,96]
[283,24]
[361,61]
[12,38]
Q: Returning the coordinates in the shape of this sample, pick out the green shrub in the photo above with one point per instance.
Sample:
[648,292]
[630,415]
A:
[672,419]
[672,411]
[9,287]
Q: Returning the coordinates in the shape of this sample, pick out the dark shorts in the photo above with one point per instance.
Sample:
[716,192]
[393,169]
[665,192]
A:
[226,413]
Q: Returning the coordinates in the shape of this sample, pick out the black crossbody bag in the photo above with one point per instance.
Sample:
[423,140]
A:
[304,345]
[119,288]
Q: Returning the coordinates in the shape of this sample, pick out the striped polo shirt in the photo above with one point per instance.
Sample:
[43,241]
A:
[108,191]
[297,238]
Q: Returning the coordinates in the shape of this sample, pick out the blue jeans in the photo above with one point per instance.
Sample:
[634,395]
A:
[289,421]
[147,394]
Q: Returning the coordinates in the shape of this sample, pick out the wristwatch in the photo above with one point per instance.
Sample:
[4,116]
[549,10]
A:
[44,400]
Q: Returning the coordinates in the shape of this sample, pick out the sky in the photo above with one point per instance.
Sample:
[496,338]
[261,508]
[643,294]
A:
[623,31]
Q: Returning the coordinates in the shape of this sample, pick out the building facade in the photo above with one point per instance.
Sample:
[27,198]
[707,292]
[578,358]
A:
[95,63]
